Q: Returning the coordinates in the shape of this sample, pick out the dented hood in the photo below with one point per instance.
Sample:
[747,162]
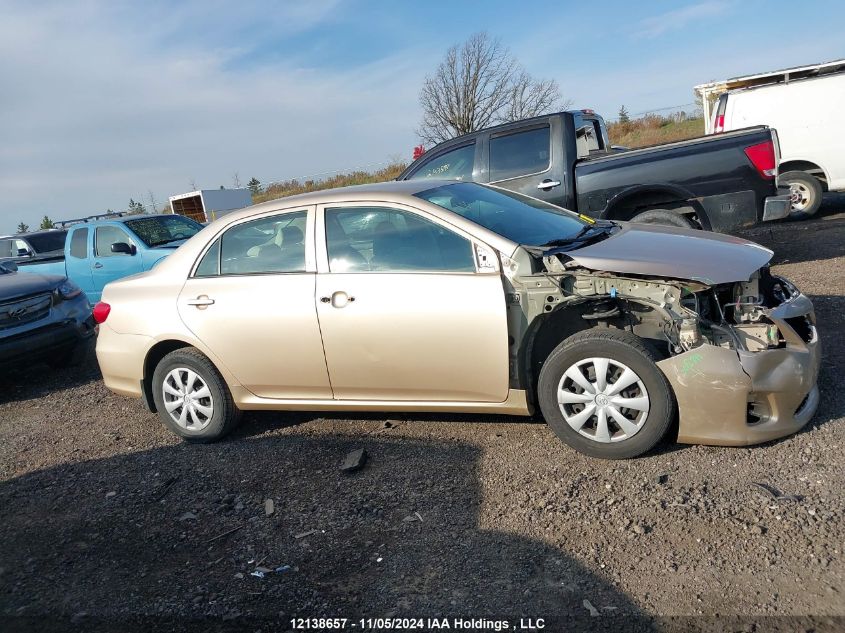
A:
[648,249]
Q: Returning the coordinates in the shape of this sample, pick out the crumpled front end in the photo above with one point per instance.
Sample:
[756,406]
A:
[755,379]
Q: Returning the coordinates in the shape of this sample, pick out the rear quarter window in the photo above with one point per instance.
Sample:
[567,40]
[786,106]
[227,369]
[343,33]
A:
[79,244]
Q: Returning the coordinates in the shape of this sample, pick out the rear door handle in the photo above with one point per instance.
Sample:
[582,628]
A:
[548,184]
[201,302]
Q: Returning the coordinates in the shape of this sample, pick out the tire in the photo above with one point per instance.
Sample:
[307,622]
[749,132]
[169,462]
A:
[646,422]
[214,412]
[806,193]
[73,356]
[664,217]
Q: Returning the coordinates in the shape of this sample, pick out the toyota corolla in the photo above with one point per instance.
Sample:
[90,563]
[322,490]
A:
[454,296]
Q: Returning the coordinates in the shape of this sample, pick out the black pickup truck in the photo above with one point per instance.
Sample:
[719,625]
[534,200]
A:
[719,182]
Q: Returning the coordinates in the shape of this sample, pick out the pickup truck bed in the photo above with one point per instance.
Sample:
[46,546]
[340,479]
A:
[713,172]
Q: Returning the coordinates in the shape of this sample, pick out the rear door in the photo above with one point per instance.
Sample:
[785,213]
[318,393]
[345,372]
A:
[251,301]
[526,159]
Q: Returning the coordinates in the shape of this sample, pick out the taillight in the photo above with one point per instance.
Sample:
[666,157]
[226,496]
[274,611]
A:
[720,124]
[762,156]
[101,312]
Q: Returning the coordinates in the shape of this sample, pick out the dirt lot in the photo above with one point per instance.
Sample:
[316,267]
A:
[109,523]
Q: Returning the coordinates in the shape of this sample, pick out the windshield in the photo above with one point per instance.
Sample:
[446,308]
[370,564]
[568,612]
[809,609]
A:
[46,242]
[159,230]
[519,218]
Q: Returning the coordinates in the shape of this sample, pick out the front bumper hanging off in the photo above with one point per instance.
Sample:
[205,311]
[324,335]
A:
[732,397]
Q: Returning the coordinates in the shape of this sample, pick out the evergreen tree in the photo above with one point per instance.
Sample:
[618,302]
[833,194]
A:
[46,223]
[254,186]
[23,228]
[623,115]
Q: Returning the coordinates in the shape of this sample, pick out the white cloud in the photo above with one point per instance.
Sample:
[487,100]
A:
[678,19]
[100,105]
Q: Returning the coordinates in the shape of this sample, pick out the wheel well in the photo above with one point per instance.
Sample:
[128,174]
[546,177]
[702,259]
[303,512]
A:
[553,328]
[806,166]
[154,356]
[632,204]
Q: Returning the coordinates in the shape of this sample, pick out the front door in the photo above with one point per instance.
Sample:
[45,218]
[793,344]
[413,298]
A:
[523,160]
[403,312]
[251,301]
[107,266]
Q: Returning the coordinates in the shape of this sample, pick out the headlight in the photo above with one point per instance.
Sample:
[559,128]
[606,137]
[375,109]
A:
[68,290]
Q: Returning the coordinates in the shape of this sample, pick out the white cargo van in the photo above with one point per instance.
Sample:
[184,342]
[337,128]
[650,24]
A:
[807,108]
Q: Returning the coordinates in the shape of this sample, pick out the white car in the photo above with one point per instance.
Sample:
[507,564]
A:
[807,114]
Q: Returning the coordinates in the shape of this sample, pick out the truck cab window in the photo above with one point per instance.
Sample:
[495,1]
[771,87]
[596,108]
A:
[79,243]
[520,153]
[108,235]
[588,137]
[455,164]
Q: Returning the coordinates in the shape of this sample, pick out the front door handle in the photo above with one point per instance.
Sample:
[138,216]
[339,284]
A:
[201,302]
[97,265]
[338,299]
[548,184]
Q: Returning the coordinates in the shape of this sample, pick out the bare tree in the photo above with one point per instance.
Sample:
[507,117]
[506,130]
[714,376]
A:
[236,180]
[478,84]
[153,204]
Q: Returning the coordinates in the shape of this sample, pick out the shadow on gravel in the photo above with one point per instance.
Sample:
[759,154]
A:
[815,239]
[35,381]
[168,538]
[256,423]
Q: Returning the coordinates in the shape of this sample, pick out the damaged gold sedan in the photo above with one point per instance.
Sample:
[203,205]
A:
[453,296]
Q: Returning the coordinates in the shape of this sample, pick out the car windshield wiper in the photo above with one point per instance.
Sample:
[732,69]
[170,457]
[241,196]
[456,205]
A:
[604,228]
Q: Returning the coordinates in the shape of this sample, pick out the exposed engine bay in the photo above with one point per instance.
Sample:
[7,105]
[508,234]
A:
[677,315]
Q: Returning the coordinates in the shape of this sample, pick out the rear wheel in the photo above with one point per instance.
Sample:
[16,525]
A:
[664,217]
[191,397]
[602,393]
[805,193]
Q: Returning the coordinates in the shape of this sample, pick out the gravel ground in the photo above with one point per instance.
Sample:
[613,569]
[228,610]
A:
[109,523]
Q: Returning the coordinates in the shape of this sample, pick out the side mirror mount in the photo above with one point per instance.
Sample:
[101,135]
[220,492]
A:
[24,252]
[123,247]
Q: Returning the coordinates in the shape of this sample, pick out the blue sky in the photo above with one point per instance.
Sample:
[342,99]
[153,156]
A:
[103,101]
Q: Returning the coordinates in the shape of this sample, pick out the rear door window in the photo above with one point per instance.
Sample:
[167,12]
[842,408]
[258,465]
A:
[520,153]
[6,248]
[456,164]
[274,244]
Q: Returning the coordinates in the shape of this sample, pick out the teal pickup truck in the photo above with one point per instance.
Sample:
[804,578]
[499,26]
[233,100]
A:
[101,251]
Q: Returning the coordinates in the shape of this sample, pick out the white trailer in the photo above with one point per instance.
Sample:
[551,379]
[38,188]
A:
[206,205]
[805,106]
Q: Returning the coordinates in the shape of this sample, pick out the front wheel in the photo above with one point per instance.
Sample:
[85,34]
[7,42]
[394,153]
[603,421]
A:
[603,394]
[805,193]
[191,397]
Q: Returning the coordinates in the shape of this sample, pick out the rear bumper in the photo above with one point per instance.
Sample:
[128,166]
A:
[737,398]
[121,358]
[776,207]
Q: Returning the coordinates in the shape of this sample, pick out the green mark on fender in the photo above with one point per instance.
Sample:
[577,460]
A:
[691,363]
